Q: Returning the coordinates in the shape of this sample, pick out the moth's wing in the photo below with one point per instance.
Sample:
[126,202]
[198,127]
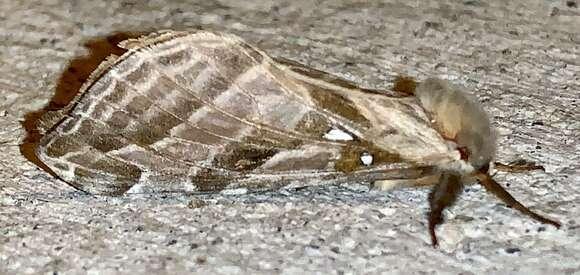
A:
[203,112]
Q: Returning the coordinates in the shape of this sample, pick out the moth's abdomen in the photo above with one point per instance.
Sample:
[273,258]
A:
[458,116]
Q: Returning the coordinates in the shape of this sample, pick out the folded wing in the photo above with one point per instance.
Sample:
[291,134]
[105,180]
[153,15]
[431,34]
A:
[203,112]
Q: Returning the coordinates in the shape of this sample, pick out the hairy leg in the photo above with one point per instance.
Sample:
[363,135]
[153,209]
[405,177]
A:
[442,196]
[493,187]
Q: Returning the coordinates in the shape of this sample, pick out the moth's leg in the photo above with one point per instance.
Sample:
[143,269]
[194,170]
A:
[388,185]
[517,166]
[442,196]
[493,187]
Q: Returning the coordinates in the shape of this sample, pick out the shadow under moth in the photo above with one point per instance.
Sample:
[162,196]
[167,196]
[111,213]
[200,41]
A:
[203,112]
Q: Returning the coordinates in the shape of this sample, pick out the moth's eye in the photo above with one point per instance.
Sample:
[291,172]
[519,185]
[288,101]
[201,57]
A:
[366,158]
[463,152]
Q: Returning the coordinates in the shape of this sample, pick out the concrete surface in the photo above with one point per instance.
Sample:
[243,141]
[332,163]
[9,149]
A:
[521,57]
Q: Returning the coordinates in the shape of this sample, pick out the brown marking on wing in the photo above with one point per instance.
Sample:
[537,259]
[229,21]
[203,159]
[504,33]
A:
[141,74]
[384,157]
[243,157]
[208,180]
[119,120]
[349,160]
[119,168]
[174,59]
[339,105]
[314,124]
[61,145]
[106,142]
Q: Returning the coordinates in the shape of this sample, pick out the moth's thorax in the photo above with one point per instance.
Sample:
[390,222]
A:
[459,117]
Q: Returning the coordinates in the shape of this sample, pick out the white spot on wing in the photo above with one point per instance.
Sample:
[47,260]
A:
[337,134]
[367,159]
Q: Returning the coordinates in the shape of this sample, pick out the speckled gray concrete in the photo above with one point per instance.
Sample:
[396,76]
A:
[522,59]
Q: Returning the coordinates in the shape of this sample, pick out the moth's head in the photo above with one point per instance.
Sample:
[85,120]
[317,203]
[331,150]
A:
[459,117]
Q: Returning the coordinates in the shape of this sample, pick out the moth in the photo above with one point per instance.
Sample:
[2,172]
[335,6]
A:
[203,112]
